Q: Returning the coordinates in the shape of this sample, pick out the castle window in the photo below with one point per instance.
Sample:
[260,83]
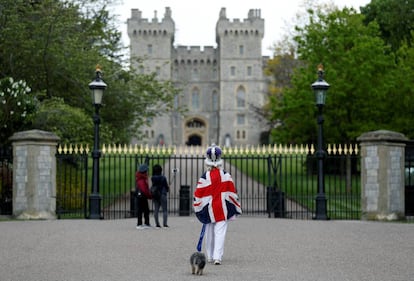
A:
[241,97]
[195,123]
[149,48]
[195,73]
[249,71]
[232,70]
[158,70]
[214,72]
[215,101]
[135,32]
[176,102]
[195,99]
[214,121]
[241,119]
[241,134]
[241,50]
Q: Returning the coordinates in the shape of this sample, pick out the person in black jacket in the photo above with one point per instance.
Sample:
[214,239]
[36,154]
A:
[160,181]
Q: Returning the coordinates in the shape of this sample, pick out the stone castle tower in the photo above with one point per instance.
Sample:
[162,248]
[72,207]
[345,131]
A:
[220,86]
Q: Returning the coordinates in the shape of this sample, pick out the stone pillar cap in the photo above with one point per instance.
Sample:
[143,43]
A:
[382,135]
[34,135]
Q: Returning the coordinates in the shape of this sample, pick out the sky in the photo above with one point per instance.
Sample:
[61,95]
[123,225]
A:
[195,21]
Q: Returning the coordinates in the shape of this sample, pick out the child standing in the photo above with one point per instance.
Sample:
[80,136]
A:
[215,202]
[143,194]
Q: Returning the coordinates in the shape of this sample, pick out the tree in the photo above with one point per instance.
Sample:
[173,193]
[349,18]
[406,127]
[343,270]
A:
[17,105]
[280,69]
[54,46]
[358,67]
[395,19]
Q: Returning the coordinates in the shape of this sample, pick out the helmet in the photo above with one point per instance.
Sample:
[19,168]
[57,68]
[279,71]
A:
[213,156]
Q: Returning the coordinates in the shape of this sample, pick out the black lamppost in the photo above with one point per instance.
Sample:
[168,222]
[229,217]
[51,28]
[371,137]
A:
[320,88]
[97,87]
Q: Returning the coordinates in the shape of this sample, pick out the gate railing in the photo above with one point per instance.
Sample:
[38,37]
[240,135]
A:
[6,181]
[273,181]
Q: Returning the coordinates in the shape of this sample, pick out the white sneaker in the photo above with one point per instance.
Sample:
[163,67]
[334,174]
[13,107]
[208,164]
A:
[146,226]
[217,262]
[210,260]
[140,227]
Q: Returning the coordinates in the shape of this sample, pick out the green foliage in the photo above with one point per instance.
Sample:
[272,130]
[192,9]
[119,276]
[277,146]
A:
[359,69]
[395,19]
[17,104]
[71,124]
[55,45]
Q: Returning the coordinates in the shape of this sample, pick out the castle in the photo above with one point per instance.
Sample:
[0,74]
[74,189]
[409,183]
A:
[221,87]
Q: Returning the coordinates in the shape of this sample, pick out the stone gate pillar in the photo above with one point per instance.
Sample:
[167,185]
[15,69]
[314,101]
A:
[382,175]
[34,174]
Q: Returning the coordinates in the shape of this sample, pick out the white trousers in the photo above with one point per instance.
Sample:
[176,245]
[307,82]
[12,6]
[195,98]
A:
[215,235]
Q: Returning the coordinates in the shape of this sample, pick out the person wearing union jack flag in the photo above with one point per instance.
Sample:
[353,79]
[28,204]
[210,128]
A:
[215,203]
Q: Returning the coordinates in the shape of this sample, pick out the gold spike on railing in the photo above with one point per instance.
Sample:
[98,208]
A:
[290,149]
[347,150]
[329,150]
[104,149]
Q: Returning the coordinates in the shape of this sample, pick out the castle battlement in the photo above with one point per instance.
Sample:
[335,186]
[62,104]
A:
[252,25]
[137,25]
[195,50]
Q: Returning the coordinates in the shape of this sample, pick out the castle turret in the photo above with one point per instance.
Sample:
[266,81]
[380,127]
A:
[152,41]
[241,76]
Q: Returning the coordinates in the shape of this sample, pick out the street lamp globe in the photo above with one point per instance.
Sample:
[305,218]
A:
[320,88]
[97,87]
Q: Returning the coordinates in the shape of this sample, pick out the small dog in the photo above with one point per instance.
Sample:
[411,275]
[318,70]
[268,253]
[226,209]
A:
[198,262]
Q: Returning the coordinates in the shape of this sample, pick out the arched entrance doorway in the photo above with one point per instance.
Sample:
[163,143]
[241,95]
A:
[195,131]
[194,140]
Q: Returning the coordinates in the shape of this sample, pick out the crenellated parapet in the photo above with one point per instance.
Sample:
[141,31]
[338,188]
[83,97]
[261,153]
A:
[195,55]
[253,25]
[138,26]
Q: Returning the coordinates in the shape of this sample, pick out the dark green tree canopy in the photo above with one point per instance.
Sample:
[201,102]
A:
[359,68]
[54,46]
[395,19]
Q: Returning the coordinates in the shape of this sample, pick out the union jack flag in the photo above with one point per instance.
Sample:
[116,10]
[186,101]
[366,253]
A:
[215,198]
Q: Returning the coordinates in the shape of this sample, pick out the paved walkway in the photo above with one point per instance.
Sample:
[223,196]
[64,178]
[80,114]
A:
[256,249]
